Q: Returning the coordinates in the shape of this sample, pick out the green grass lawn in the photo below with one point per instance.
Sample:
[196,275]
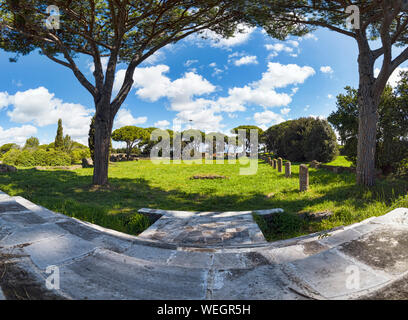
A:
[340,161]
[135,185]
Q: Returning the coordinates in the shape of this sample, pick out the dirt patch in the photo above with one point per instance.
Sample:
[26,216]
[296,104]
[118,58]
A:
[19,284]
[385,249]
[74,167]
[313,247]
[208,177]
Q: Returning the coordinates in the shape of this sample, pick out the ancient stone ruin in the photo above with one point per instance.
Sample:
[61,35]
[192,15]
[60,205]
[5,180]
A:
[6,168]
[288,169]
[280,164]
[303,177]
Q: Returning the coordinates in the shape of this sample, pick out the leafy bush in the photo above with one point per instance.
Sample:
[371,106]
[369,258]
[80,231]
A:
[392,127]
[304,139]
[38,157]
[6,148]
[78,154]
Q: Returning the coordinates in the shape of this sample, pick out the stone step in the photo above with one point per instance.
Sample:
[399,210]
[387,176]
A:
[97,263]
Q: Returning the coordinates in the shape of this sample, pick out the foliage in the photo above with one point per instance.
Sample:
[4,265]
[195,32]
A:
[68,144]
[7,147]
[120,31]
[218,141]
[36,157]
[376,26]
[131,135]
[32,143]
[392,129]
[91,138]
[59,138]
[248,129]
[304,139]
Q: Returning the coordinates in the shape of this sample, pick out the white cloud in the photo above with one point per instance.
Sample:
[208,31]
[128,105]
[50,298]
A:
[278,47]
[279,75]
[308,36]
[330,96]
[213,65]
[40,107]
[155,58]
[186,93]
[246,60]
[188,63]
[162,124]
[285,111]
[104,61]
[393,81]
[125,118]
[267,118]
[4,100]
[294,43]
[17,135]
[291,47]
[240,37]
[317,117]
[326,69]
[262,92]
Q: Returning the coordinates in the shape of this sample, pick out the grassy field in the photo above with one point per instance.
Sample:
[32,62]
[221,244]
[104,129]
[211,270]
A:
[340,161]
[136,185]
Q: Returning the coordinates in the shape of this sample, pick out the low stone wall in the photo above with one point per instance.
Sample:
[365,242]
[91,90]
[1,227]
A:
[335,169]
[123,157]
[7,168]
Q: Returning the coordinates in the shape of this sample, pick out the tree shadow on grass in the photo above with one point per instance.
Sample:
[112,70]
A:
[70,193]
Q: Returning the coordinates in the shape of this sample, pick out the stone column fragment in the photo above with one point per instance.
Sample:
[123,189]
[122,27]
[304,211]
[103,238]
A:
[288,169]
[303,177]
[280,164]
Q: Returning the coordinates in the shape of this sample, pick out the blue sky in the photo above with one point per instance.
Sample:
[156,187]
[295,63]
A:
[216,83]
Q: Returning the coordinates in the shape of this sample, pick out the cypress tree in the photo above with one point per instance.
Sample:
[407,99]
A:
[91,138]
[59,139]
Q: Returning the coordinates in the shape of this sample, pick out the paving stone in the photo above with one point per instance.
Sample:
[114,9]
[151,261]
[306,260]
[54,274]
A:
[24,236]
[55,251]
[150,254]
[285,254]
[106,275]
[268,212]
[229,260]
[190,259]
[11,206]
[22,219]
[327,273]
[340,237]
[261,283]
[204,228]
[384,249]
[397,216]
[39,210]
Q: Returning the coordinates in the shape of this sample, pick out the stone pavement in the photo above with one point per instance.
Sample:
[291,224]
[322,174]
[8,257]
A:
[223,256]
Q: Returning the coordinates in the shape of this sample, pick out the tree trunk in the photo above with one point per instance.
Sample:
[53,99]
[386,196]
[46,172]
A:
[103,132]
[367,135]
[368,119]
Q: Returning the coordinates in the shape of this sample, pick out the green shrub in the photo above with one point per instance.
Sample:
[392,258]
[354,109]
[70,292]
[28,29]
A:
[304,139]
[11,156]
[6,148]
[38,157]
[78,154]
